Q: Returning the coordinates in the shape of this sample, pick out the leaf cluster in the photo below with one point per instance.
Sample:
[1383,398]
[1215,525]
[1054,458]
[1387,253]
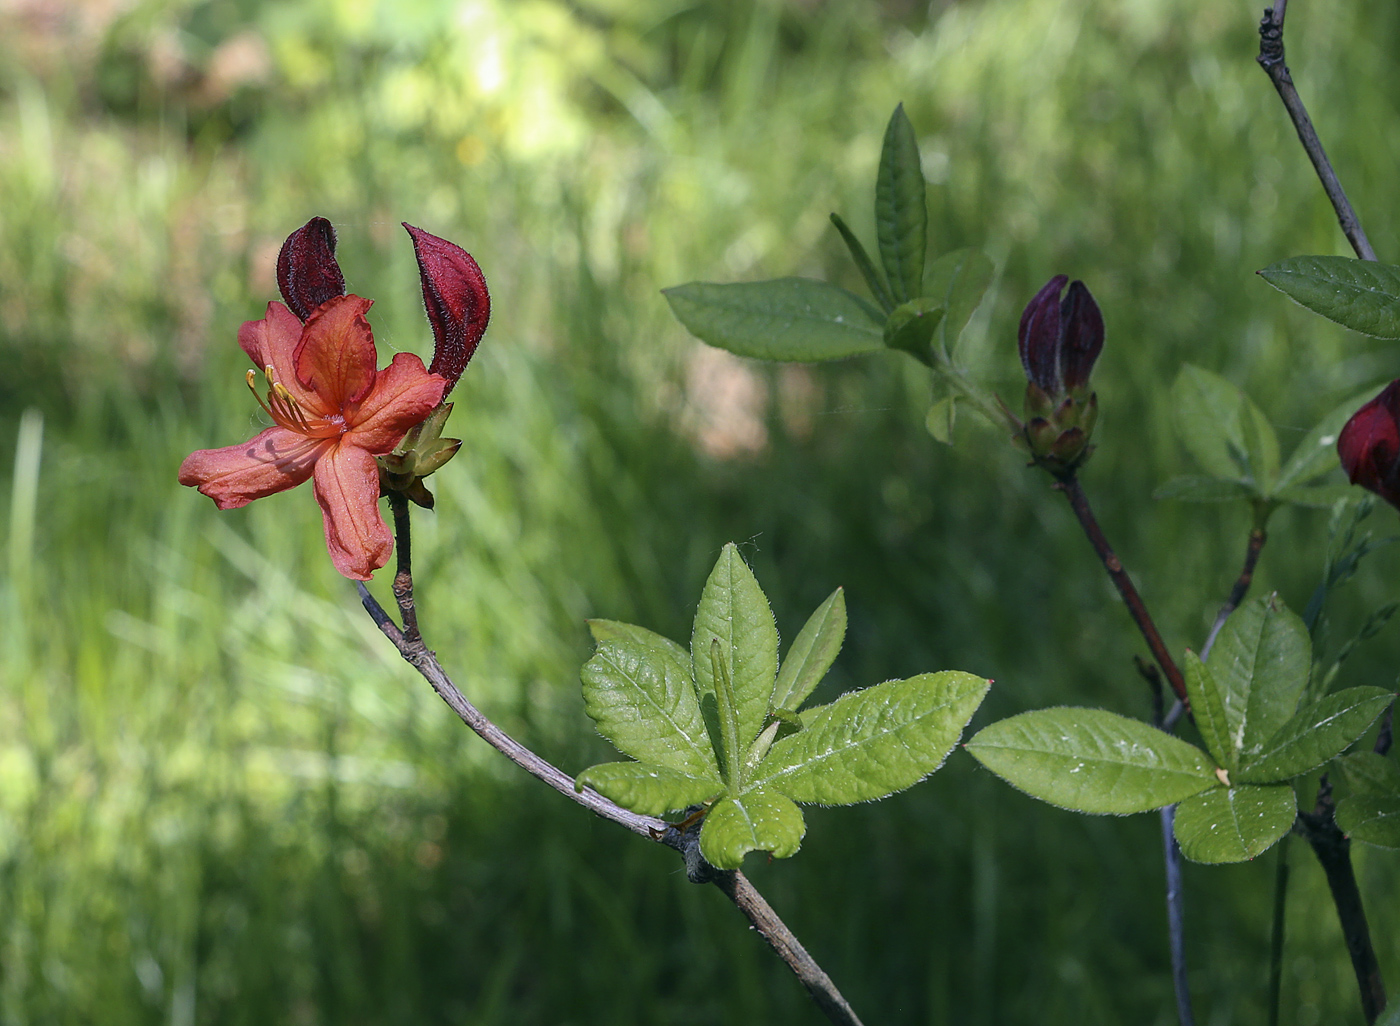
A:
[721,726]
[1235,794]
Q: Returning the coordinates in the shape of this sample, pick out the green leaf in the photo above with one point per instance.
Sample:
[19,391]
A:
[958,281]
[871,743]
[812,653]
[1391,1015]
[1359,294]
[755,821]
[1373,818]
[1093,761]
[1260,661]
[1223,430]
[1371,773]
[638,691]
[1232,824]
[1208,707]
[901,214]
[730,749]
[940,419]
[1197,488]
[647,788]
[1316,734]
[734,612]
[1315,497]
[1316,454]
[911,328]
[785,319]
[873,279]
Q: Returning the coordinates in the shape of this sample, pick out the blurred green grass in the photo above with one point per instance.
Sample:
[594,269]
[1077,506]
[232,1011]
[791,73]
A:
[223,799]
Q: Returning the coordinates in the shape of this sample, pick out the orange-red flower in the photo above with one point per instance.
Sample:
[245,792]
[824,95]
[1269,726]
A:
[333,412]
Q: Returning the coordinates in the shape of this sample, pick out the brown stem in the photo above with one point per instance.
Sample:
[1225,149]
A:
[1257,538]
[1333,851]
[1271,59]
[734,884]
[1079,502]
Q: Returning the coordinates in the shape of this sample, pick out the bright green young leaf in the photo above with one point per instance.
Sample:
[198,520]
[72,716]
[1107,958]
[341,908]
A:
[1223,430]
[1233,824]
[647,788]
[871,743]
[957,281]
[734,612]
[1316,734]
[873,279]
[901,211]
[785,319]
[812,653]
[912,326]
[1316,454]
[1208,707]
[1260,662]
[1371,773]
[637,689]
[755,821]
[1090,760]
[1373,818]
[1198,488]
[1360,294]
[730,750]
[941,417]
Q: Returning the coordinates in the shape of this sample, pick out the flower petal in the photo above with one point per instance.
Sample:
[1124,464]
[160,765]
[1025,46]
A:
[272,342]
[403,395]
[234,476]
[347,487]
[307,273]
[336,357]
[456,298]
[1039,337]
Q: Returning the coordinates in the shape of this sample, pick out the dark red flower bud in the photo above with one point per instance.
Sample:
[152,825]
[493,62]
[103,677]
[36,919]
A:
[1369,445]
[307,272]
[454,292]
[1059,341]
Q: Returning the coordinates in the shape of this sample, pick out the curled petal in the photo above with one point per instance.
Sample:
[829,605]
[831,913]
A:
[1039,337]
[336,357]
[1369,445]
[272,342]
[455,295]
[271,462]
[403,395]
[1082,326]
[307,272]
[346,484]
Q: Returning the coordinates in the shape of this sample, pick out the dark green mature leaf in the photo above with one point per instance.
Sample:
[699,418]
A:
[1093,761]
[754,821]
[784,319]
[1371,773]
[873,279]
[637,689]
[1316,454]
[1232,824]
[871,743]
[812,653]
[1360,294]
[901,211]
[647,788]
[1208,707]
[1316,734]
[911,328]
[1260,662]
[734,612]
[1197,488]
[1373,818]
[1224,431]
[957,281]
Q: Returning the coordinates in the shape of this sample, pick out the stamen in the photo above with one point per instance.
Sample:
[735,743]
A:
[252,377]
[280,404]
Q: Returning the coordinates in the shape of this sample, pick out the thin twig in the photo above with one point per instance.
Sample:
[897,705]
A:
[1276,943]
[1079,502]
[1176,917]
[1333,850]
[733,884]
[1257,538]
[1271,59]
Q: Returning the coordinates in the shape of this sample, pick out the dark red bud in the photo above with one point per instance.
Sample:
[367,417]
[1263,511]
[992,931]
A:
[1082,324]
[454,292]
[307,273]
[1039,337]
[1369,445]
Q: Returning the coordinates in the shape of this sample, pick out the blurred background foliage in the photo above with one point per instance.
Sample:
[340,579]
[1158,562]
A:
[223,799]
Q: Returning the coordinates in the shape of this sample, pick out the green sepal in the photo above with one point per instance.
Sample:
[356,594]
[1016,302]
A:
[757,820]
[648,788]
[901,211]
[1234,824]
